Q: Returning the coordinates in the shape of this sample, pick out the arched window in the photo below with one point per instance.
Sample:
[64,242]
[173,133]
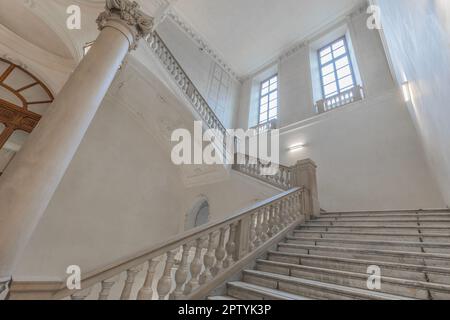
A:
[198,215]
[23,101]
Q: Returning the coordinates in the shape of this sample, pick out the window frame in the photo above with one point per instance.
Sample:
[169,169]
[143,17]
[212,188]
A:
[261,96]
[335,70]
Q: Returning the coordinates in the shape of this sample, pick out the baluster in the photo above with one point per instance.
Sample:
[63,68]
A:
[146,292]
[293,211]
[182,274]
[259,229]
[267,216]
[231,247]
[129,282]
[220,253]
[81,295]
[253,231]
[106,288]
[276,219]
[196,268]
[208,260]
[165,283]
[285,212]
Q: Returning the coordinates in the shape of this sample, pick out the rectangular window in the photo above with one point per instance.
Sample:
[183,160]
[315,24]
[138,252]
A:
[336,71]
[268,103]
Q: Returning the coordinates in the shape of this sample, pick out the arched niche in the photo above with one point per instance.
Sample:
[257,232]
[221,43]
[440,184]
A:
[198,215]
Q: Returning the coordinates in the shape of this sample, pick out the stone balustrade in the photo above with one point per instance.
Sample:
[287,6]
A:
[183,81]
[352,95]
[254,167]
[194,263]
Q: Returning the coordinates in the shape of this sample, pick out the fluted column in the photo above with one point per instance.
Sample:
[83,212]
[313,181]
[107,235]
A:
[31,179]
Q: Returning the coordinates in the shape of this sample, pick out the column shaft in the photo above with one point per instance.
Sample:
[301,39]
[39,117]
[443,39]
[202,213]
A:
[28,184]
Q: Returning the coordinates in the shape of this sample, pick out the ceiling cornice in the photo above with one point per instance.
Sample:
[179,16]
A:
[201,42]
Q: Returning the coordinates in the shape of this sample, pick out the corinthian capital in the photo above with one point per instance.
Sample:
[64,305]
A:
[129,12]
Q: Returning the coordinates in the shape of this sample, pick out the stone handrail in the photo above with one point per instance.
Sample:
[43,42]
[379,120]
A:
[196,262]
[183,81]
[271,125]
[253,167]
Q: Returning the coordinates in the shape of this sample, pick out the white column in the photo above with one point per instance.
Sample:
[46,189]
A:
[28,184]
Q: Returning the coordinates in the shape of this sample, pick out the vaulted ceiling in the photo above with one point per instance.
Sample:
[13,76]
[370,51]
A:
[250,33]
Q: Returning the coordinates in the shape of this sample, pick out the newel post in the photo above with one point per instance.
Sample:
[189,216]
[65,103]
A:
[243,237]
[305,177]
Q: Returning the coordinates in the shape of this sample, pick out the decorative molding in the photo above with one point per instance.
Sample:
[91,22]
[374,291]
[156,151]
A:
[130,13]
[201,42]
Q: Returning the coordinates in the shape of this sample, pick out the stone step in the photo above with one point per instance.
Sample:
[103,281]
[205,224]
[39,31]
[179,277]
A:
[389,269]
[437,212]
[382,224]
[221,298]
[407,257]
[383,219]
[248,291]
[396,286]
[314,289]
[380,229]
[423,237]
[374,244]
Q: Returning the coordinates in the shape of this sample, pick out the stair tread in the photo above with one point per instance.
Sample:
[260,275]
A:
[330,286]
[411,283]
[385,226]
[369,251]
[374,233]
[419,268]
[267,291]
[393,212]
[374,242]
[221,298]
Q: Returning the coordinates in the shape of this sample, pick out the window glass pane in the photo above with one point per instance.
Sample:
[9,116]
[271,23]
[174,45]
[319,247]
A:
[330,89]
[326,59]
[329,78]
[338,44]
[264,99]
[342,62]
[344,72]
[346,82]
[274,86]
[272,113]
[327,69]
[264,108]
[265,84]
[339,52]
[265,91]
[273,80]
[273,96]
[273,104]
[263,117]
[325,51]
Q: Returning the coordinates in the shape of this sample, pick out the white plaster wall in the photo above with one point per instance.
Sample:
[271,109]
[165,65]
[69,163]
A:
[230,196]
[368,153]
[119,196]
[199,66]
[368,156]
[417,35]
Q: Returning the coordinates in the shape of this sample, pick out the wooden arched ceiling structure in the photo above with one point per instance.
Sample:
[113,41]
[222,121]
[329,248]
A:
[23,100]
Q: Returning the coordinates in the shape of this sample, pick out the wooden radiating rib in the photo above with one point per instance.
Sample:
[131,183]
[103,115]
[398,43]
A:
[28,86]
[40,102]
[7,73]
